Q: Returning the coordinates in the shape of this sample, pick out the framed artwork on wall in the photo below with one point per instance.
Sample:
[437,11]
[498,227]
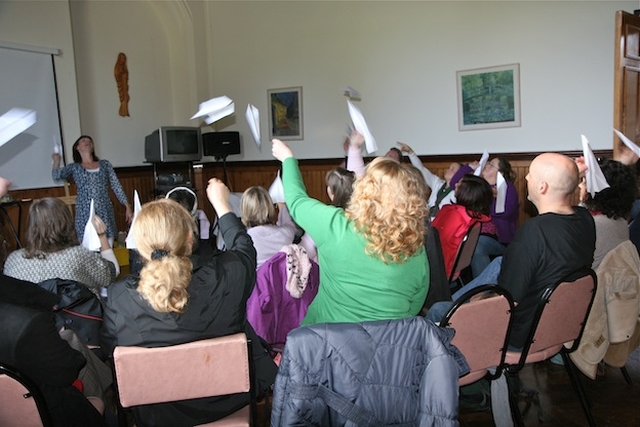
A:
[285,113]
[489,98]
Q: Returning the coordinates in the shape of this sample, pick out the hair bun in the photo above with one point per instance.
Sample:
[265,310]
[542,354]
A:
[158,254]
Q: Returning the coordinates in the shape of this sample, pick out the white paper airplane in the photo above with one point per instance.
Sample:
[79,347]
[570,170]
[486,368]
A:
[361,126]
[253,118]
[14,122]
[215,109]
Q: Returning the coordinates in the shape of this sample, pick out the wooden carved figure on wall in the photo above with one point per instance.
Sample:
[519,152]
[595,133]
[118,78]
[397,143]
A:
[122,79]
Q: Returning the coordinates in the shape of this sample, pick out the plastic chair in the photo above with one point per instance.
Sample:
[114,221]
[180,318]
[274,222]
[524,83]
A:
[22,403]
[482,330]
[189,371]
[465,252]
[560,318]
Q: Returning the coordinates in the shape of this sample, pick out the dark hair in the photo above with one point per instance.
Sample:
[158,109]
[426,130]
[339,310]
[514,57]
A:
[340,181]
[398,152]
[185,197]
[76,155]
[615,202]
[506,170]
[475,194]
[50,228]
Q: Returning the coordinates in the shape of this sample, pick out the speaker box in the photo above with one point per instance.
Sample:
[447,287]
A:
[221,144]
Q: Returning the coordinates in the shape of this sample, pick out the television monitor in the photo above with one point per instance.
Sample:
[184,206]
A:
[173,144]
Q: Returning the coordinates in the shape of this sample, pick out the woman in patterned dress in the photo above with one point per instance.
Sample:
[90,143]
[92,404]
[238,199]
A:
[92,177]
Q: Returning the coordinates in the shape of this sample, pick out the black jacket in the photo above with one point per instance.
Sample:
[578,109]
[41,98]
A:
[218,292]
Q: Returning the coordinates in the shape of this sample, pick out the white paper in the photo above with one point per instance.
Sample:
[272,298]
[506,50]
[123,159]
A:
[91,240]
[276,191]
[483,162]
[629,143]
[351,93]
[501,190]
[215,109]
[361,126]
[595,178]
[14,122]
[253,118]
[130,242]
[56,144]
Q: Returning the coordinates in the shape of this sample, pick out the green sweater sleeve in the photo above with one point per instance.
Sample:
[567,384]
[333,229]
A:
[313,216]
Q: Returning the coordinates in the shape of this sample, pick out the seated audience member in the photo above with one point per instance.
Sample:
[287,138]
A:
[371,255]
[173,301]
[442,193]
[546,248]
[340,186]
[268,230]
[30,343]
[52,250]
[473,198]
[610,207]
[497,234]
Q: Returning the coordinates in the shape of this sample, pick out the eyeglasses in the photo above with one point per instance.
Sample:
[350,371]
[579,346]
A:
[491,165]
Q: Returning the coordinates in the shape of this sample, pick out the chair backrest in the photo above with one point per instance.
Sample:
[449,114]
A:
[561,314]
[465,251]
[482,330]
[206,368]
[22,403]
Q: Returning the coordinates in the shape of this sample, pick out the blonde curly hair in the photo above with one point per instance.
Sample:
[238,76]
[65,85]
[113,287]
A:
[163,232]
[388,207]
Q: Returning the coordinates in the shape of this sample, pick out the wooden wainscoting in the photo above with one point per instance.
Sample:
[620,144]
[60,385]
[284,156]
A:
[242,175]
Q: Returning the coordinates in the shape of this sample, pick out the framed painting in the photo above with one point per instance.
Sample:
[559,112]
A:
[489,98]
[285,113]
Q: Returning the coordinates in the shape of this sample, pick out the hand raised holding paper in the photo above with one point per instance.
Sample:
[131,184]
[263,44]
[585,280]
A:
[280,150]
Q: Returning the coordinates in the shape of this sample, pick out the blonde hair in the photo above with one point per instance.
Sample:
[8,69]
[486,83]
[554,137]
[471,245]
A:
[257,207]
[162,233]
[388,208]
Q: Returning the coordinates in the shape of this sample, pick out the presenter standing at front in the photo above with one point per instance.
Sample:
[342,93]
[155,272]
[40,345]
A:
[92,177]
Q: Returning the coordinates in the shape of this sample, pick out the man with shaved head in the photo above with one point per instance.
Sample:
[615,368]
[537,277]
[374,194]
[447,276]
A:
[545,249]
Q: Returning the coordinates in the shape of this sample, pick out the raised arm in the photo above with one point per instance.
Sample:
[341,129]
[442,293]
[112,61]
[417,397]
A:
[433,181]
[355,162]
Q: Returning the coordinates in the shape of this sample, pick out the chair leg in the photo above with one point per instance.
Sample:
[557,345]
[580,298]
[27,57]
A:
[513,385]
[578,387]
[626,376]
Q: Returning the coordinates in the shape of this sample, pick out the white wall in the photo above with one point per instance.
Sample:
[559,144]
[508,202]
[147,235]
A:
[403,58]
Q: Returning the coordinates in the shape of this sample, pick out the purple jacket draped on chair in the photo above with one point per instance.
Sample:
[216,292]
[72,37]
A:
[271,310]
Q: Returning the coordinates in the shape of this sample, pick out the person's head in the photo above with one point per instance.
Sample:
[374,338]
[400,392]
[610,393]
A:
[495,165]
[615,202]
[475,194]
[395,154]
[186,197]
[388,208]
[163,232]
[451,171]
[50,228]
[84,143]
[340,186]
[551,181]
[257,207]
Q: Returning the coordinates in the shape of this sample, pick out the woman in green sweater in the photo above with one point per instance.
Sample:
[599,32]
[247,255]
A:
[371,254]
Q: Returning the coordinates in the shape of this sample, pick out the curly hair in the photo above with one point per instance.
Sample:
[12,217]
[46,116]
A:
[340,181]
[163,233]
[257,207]
[475,194]
[615,202]
[50,229]
[388,208]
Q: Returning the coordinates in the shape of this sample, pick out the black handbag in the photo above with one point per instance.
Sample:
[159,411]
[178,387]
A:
[79,309]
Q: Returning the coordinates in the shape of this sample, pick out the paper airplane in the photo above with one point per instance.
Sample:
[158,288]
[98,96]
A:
[361,126]
[483,163]
[629,143]
[90,239]
[276,191]
[596,181]
[130,242]
[215,109]
[253,118]
[501,190]
[351,93]
[14,122]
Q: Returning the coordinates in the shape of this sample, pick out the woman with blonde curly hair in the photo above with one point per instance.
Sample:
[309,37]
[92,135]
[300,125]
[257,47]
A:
[176,300]
[371,255]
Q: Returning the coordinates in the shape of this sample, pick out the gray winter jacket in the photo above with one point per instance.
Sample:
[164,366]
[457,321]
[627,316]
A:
[401,372]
